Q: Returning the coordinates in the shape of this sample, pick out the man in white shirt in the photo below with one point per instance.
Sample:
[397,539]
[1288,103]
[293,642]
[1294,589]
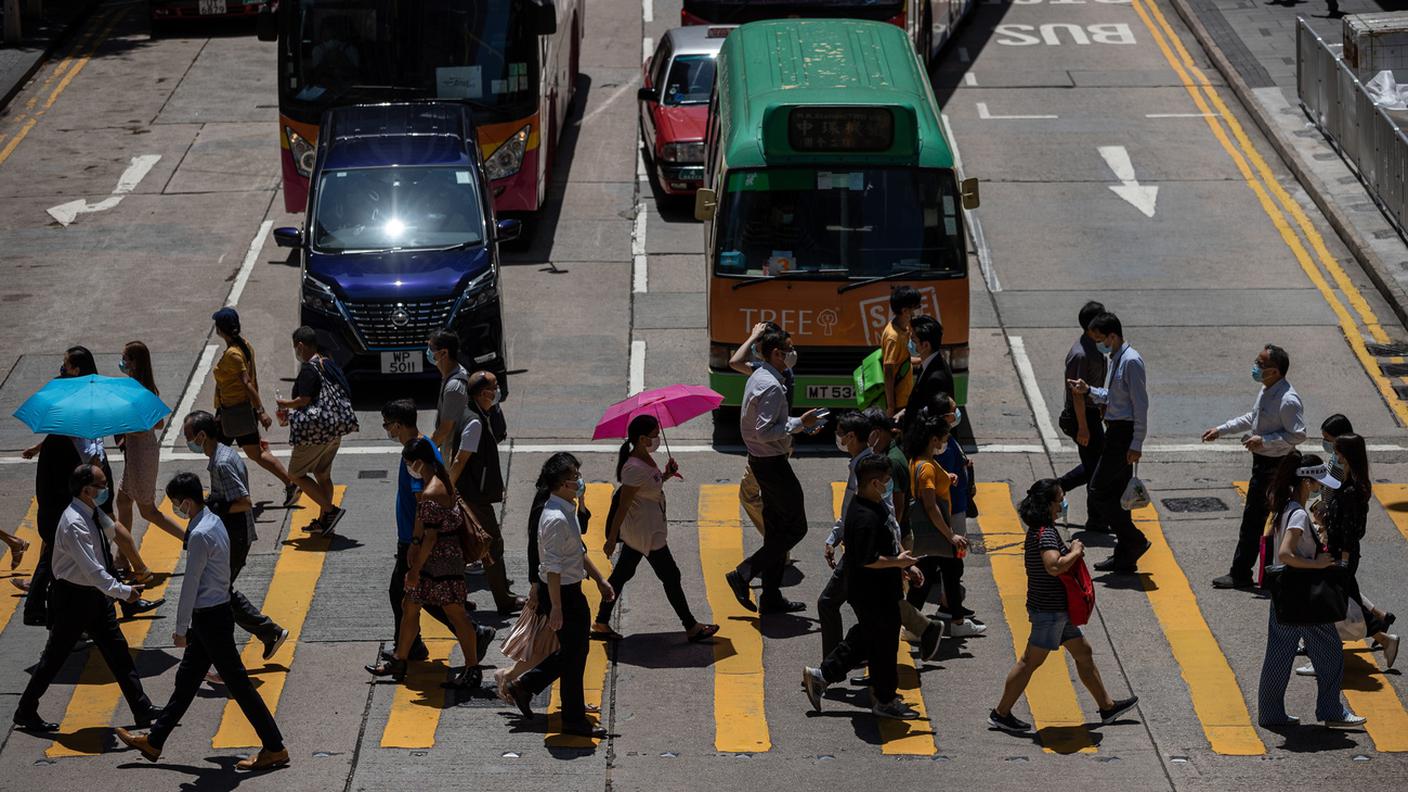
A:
[563,565]
[767,432]
[81,601]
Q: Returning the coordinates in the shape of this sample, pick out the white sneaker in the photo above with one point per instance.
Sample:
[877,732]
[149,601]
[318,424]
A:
[967,629]
[1349,721]
[1306,670]
[1390,651]
[906,635]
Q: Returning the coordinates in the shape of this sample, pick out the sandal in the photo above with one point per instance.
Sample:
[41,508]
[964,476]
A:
[704,633]
[396,669]
[17,553]
[470,678]
[142,576]
[607,634]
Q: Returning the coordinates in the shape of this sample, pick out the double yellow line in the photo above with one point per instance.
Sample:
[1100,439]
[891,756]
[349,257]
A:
[68,68]
[1258,176]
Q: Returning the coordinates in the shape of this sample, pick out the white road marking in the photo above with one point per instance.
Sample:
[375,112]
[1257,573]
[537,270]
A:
[137,169]
[980,242]
[605,103]
[637,370]
[647,46]
[247,266]
[970,79]
[1179,115]
[1141,197]
[640,274]
[188,396]
[984,114]
[647,10]
[1049,438]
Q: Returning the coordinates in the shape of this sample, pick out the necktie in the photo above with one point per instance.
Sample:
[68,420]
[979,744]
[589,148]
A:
[102,539]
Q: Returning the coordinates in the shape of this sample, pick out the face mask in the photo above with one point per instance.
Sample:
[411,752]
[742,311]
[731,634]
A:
[122,366]
[889,489]
[101,497]
[495,401]
[390,435]
[194,447]
[652,443]
[414,474]
[841,445]
[913,349]
[957,416]
[1256,372]
[1329,450]
[181,512]
[430,356]
[1103,347]
[581,488]
[790,359]
[1065,508]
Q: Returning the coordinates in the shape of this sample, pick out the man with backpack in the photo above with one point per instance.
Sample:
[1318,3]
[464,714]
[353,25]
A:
[320,412]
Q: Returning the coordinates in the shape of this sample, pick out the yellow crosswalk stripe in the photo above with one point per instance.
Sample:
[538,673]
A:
[10,597]
[740,721]
[286,602]
[900,738]
[1364,686]
[90,710]
[1050,695]
[1211,683]
[594,677]
[420,699]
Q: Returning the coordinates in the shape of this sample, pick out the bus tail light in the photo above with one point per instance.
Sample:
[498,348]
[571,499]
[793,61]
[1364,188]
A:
[303,152]
[957,357]
[719,355]
[508,158]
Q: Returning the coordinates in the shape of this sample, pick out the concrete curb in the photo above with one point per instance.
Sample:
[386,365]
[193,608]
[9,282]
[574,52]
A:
[1319,192]
[76,20]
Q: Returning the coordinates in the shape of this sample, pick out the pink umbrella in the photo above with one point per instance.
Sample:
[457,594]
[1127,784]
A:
[672,405]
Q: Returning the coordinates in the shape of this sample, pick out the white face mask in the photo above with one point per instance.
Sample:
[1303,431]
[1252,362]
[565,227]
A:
[841,445]
[413,473]
[789,360]
[652,444]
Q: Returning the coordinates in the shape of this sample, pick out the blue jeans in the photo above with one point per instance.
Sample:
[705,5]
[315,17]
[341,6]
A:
[1050,629]
[1322,644]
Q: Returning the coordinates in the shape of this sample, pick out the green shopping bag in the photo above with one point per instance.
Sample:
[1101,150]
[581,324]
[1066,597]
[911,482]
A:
[870,381]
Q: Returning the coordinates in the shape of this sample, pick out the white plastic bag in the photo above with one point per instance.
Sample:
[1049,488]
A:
[1136,495]
[1353,627]
[1386,92]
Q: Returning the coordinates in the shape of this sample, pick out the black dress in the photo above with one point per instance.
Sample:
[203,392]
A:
[1346,519]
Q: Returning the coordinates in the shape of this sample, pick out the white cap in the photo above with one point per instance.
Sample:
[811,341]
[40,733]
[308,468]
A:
[1320,473]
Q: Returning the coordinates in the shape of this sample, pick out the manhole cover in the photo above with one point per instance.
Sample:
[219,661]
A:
[371,474]
[1196,505]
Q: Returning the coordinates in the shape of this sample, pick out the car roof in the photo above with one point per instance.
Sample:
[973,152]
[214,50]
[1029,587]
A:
[398,133]
[695,39]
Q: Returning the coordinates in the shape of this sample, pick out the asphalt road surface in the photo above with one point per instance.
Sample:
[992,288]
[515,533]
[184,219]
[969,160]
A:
[1207,251]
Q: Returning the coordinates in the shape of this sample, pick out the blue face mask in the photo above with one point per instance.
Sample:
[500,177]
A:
[195,447]
[1065,508]
[1103,347]
[957,416]
[581,488]
[889,489]
[430,356]
[122,366]
[101,498]
[913,349]
[1256,372]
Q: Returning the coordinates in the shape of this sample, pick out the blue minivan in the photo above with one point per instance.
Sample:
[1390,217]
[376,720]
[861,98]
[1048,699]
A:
[400,241]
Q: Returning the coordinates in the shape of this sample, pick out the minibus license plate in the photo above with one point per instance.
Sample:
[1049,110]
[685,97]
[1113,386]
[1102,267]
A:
[831,393]
[404,362]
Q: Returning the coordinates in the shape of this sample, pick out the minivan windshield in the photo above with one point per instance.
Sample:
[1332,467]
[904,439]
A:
[365,209]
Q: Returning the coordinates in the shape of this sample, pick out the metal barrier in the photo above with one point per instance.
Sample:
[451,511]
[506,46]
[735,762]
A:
[1366,135]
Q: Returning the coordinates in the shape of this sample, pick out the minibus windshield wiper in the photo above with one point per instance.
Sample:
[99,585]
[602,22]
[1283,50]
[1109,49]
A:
[857,284]
[791,275]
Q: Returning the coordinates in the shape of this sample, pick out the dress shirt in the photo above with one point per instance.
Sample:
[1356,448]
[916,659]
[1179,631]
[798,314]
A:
[206,582]
[81,552]
[1126,394]
[229,479]
[766,427]
[1277,416]
[560,547]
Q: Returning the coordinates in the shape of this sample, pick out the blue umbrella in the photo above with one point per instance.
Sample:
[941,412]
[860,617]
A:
[92,406]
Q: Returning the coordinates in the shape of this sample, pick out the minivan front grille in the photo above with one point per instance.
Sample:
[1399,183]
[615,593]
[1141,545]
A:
[399,324]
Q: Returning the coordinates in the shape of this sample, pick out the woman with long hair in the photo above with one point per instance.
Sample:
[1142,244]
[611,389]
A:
[1297,544]
[1046,557]
[640,527]
[1345,517]
[436,567]
[141,454]
[237,401]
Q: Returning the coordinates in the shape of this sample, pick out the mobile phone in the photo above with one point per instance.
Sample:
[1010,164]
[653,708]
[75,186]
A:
[822,414]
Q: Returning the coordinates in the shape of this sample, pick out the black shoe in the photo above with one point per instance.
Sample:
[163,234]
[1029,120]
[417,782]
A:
[419,652]
[521,698]
[39,619]
[146,721]
[130,609]
[780,604]
[1147,546]
[469,678]
[929,641]
[1009,723]
[331,519]
[32,722]
[860,680]
[1108,716]
[1113,564]
[1231,582]
[291,496]
[483,636]
[272,645]
[740,590]
[396,669]
[514,605]
[584,729]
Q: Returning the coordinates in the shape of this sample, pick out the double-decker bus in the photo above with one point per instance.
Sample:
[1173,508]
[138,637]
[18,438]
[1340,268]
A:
[930,23]
[828,181]
[514,62]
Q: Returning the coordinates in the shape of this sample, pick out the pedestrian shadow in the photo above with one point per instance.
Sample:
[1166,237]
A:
[864,723]
[315,543]
[220,778]
[559,746]
[1313,739]
[1094,538]
[89,740]
[781,626]
[1127,581]
[1360,672]
[671,650]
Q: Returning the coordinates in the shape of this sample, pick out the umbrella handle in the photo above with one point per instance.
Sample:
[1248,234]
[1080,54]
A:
[666,438]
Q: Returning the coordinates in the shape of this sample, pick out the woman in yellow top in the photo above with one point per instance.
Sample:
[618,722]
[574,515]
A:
[897,350]
[237,402]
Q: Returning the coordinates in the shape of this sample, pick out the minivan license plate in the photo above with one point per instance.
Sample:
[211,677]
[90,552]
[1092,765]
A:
[829,393]
[404,362]
[209,7]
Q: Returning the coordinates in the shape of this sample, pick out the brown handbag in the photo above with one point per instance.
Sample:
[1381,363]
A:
[474,540]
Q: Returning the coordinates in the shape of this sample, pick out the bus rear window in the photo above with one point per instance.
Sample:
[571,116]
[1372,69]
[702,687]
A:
[841,223]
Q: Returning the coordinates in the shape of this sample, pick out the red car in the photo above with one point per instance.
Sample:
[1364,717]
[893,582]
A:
[169,10]
[674,105]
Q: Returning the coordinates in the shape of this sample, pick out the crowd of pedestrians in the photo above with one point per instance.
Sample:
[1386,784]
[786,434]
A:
[899,542]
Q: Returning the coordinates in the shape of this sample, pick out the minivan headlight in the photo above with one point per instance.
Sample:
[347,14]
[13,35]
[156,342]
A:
[508,158]
[318,296]
[480,291]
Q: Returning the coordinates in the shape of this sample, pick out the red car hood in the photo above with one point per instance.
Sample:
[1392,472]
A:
[681,123]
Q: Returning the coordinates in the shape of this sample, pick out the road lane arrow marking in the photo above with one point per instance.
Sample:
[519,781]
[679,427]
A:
[137,169]
[1141,197]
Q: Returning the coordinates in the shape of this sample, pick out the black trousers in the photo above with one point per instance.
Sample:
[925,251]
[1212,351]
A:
[784,521]
[1111,475]
[487,516]
[876,638]
[248,617]
[1079,476]
[568,664]
[76,610]
[397,591]
[666,570]
[211,641]
[947,572]
[1254,515]
[828,610]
